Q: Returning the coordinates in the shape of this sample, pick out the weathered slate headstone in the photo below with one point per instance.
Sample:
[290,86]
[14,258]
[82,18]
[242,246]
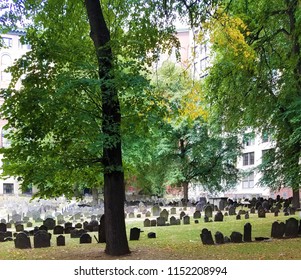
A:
[22,241]
[182,214]
[247,232]
[173,221]
[85,238]
[208,210]
[247,216]
[146,223]
[102,230]
[135,233]
[218,217]
[238,217]
[232,211]
[206,237]
[131,215]
[173,211]
[219,238]
[60,240]
[161,221]
[3,227]
[19,227]
[58,230]
[156,210]
[278,230]
[236,237]
[41,239]
[197,215]
[49,223]
[252,210]
[148,214]
[261,212]
[186,220]
[291,228]
[164,213]
[153,223]
[78,225]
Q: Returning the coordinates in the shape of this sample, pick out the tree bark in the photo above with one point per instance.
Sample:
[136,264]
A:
[114,193]
[296,199]
[185,193]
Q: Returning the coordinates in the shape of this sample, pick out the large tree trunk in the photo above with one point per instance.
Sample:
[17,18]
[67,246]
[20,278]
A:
[185,193]
[296,199]
[114,193]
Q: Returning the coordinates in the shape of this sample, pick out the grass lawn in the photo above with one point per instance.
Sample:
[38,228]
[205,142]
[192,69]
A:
[174,243]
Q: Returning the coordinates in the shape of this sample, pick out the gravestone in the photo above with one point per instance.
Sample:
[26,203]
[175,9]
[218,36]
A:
[186,220]
[278,230]
[197,215]
[222,204]
[58,230]
[292,210]
[85,238]
[49,223]
[291,228]
[22,241]
[208,211]
[148,214]
[182,214]
[161,221]
[218,217]
[25,219]
[60,240]
[138,216]
[3,227]
[131,215]
[151,235]
[173,211]
[276,213]
[247,232]
[206,219]
[16,218]
[76,233]
[238,217]
[252,210]
[173,221]
[164,213]
[78,225]
[43,227]
[236,237]
[3,221]
[232,211]
[19,227]
[247,216]
[135,233]
[261,212]
[219,238]
[146,223]
[29,224]
[156,210]
[206,237]
[41,239]
[153,223]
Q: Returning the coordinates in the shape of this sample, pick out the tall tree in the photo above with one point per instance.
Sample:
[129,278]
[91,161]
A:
[255,80]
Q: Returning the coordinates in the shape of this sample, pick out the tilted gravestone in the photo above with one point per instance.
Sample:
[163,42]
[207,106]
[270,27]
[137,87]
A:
[208,211]
[85,238]
[22,241]
[135,233]
[60,240]
[218,217]
[291,228]
[278,230]
[247,232]
[41,239]
[219,238]
[236,237]
[206,237]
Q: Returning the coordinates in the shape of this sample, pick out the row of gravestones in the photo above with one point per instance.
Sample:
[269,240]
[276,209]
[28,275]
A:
[161,221]
[290,229]
[42,240]
[235,237]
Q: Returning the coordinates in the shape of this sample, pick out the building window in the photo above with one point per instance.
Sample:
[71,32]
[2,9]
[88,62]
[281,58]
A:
[8,188]
[249,139]
[265,137]
[248,181]
[248,158]
[5,143]
[7,42]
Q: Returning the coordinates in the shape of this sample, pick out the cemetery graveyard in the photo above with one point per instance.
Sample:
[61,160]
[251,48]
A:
[161,229]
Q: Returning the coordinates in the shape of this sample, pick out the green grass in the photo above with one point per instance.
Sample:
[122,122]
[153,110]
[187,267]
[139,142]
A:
[175,242]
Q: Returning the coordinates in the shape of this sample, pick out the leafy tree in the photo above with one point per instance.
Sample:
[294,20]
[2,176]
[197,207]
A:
[255,80]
